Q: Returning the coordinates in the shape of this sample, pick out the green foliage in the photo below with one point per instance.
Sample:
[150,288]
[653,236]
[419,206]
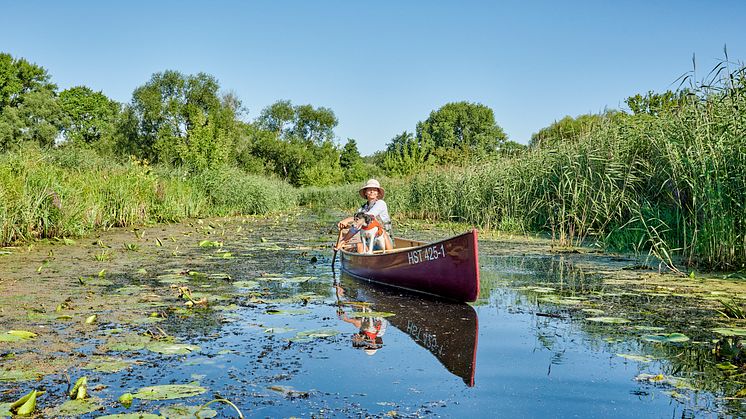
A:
[656,103]
[89,118]
[567,129]
[28,109]
[71,191]
[351,162]
[461,131]
[406,154]
[182,120]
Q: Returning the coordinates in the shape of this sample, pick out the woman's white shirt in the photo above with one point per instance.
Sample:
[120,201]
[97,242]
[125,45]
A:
[379,209]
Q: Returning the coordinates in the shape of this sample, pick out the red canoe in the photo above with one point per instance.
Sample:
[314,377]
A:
[447,268]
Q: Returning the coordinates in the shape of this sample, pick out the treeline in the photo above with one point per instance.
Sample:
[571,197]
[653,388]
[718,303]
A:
[186,122]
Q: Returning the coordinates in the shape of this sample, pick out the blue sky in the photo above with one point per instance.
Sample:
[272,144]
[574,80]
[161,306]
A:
[383,66]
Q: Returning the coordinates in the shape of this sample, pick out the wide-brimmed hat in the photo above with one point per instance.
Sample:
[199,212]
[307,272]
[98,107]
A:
[372,183]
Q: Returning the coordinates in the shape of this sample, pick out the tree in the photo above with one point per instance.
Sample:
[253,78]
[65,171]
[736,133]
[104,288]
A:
[351,162]
[28,105]
[277,117]
[88,117]
[461,131]
[656,103]
[182,120]
[406,154]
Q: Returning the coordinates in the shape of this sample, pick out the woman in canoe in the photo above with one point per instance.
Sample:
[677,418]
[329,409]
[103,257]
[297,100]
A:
[375,206]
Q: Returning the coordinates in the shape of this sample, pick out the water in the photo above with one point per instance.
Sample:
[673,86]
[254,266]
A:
[525,349]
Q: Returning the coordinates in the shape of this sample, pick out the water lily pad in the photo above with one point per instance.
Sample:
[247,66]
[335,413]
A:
[169,392]
[610,320]
[246,284]
[127,343]
[172,279]
[371,314]
[167,348]
[638,358]
[77,407]
[230,307]
[137,415]
[180,411]
[210,243]
[16,336]
[667,338]
[95,281]
[730,331]
[592,311]
[106,364]
[309,335]
[18,375]
[5,410]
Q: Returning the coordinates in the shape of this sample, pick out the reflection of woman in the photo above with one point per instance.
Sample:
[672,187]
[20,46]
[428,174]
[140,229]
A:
[370,329]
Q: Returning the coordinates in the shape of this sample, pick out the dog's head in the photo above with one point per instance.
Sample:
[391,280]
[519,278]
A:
[362,219]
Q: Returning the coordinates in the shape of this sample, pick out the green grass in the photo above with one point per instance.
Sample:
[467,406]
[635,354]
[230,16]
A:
[70,192]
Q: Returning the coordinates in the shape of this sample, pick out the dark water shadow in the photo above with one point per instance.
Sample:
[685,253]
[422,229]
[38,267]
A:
[447,330]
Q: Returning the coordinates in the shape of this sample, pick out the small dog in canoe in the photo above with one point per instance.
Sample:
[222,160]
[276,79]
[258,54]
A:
[371,231]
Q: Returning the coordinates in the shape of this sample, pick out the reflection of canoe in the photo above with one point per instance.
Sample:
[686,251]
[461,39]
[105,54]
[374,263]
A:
[447,268]
[448,330]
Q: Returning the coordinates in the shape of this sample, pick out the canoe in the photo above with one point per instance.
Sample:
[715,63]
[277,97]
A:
[448,268]
[449,331]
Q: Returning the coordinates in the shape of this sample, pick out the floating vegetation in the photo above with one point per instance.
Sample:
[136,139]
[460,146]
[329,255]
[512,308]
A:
[667,338]
[592,311]
[210,243]
[127,343]
[246,284]
[648,328]
[180,411]
[169,392]
[16,336]
[609,320]
[309,335]
[26,405]
[730,331]
[170,348]
[289,392]
[18,375]
[107,364]
[79,391]
[638,358]
[661,379]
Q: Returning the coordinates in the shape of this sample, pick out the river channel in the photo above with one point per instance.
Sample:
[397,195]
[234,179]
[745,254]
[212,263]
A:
[249,310]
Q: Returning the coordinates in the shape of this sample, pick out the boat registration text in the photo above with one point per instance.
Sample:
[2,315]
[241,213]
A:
[426,254]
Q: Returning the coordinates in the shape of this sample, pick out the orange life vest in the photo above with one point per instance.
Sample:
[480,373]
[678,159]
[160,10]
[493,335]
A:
[372,224]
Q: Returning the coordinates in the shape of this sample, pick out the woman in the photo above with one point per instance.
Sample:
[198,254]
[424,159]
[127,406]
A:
[373,193]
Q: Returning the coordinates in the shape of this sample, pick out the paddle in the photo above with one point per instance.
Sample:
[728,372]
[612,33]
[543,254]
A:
[334,259]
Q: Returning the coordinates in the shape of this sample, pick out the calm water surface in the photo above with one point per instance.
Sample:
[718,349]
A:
[287,342]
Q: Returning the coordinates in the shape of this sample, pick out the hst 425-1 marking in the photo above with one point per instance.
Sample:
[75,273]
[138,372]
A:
[427,254]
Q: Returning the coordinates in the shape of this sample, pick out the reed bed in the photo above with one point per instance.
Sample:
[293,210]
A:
[69,192]
[672,184]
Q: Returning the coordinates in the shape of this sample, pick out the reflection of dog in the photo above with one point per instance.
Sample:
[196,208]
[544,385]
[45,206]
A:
[371,231]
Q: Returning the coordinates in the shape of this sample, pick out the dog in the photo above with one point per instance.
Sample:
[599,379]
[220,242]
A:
[371,231]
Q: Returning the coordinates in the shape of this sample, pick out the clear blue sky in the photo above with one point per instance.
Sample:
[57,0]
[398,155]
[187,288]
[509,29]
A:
[382,66]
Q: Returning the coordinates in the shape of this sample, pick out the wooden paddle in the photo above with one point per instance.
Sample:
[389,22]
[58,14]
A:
[334,259]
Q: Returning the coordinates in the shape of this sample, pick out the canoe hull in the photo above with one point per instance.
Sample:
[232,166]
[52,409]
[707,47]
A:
[448,268]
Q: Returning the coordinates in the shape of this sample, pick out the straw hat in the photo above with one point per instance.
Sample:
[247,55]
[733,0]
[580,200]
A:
[372,183]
